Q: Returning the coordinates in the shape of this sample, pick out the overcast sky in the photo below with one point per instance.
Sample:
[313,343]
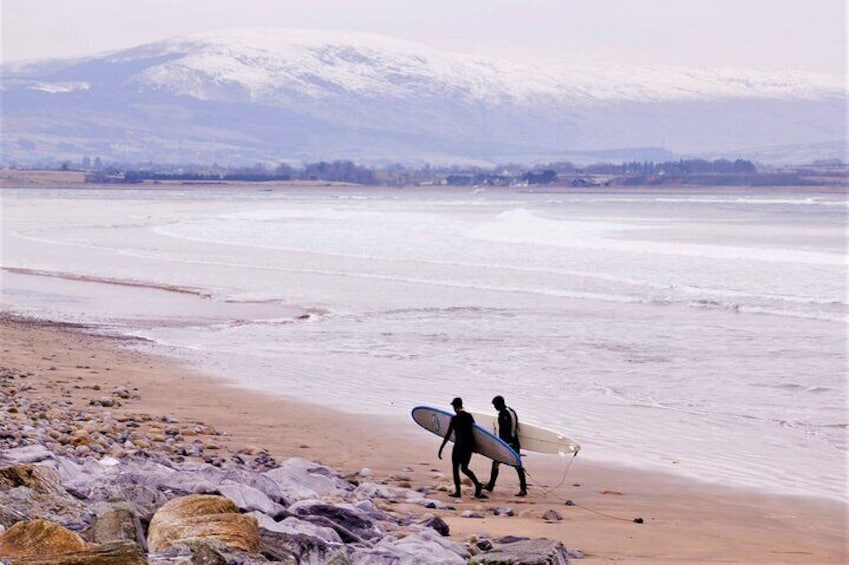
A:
[766,34]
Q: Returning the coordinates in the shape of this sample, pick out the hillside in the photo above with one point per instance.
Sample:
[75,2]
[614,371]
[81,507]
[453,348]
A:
[248,96]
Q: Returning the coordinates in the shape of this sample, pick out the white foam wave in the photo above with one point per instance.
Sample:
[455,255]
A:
[524,227]
[748,201]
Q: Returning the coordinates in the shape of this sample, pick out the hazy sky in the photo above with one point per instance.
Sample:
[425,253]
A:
[767,34]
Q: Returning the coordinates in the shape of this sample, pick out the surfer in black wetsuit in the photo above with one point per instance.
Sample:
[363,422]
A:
[464,445]
[508,430]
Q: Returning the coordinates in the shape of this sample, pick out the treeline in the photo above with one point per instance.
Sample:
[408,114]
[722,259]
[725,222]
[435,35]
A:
[336,171]
[682,171]
[680,167]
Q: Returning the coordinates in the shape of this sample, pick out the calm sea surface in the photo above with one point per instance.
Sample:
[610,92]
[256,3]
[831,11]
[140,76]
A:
[701,332]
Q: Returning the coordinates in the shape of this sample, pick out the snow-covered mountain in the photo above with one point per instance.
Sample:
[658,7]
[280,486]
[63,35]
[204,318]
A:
[260,95]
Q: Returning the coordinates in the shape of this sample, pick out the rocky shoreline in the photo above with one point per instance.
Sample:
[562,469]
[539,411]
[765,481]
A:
[86,483]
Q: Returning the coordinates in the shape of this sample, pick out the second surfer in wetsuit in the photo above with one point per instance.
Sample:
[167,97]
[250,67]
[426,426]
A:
[464,445]
[508,430]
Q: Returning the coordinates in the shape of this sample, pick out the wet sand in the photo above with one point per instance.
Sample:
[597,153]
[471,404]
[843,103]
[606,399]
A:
[683,521]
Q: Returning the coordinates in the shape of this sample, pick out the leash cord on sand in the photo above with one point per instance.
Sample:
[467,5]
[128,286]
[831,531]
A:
[571,503]
[636,520]
[562,480]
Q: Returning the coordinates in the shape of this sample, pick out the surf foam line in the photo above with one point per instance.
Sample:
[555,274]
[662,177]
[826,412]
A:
[162,230]
[611,298]
[107,280]
[602,297]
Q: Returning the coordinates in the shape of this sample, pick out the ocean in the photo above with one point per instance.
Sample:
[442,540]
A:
[700,332]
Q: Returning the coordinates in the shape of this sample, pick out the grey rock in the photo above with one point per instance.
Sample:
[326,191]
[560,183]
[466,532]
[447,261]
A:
[348,521]
[170,557]
[299,479]
[81,476]
[338,558]
[300,549]
[25,454]
[513,539]
[197,482]
[136,482]
[369,510]
[115,521]
[202,552]
[258,481]
[575,553]
[483,545]
[420,547]
[437,524]
[248,498]
[35,491]
[8,516]
[552,516]
[144,499]
[206,551]
[104,401]
[297,527]
[540,551]
[370,491]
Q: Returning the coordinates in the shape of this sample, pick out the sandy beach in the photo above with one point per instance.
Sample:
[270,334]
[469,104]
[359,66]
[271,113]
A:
[682,521]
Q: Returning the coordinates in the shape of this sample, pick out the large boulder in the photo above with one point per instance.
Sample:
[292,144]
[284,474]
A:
[202,516]
[115,553]
[299,479]
[30,476]
[422,546]
[373,491]
[115,521]
[302,549]
[295,526]
[39,538]
[143,498]
[206,551]
[248,498]
[146,483]
[352,524]
[25,454]
[255,480]
[35,491]
[541,551]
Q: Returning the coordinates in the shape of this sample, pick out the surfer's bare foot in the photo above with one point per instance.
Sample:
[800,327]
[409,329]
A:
[522,493]
[454,495]
[488,488]
[480,495]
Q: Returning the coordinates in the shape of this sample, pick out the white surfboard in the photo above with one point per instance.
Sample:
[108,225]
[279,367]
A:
[436,420]
[532,437]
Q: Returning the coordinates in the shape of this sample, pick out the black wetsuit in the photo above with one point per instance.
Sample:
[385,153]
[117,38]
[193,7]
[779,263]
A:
[508,430]
[464,445]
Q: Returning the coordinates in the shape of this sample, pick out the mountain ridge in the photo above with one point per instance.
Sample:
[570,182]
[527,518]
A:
[294,95]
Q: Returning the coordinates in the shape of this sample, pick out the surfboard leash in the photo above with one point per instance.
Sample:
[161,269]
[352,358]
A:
[562,480]
[637,520]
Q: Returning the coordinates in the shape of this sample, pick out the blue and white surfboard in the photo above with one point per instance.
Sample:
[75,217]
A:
[436,420]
